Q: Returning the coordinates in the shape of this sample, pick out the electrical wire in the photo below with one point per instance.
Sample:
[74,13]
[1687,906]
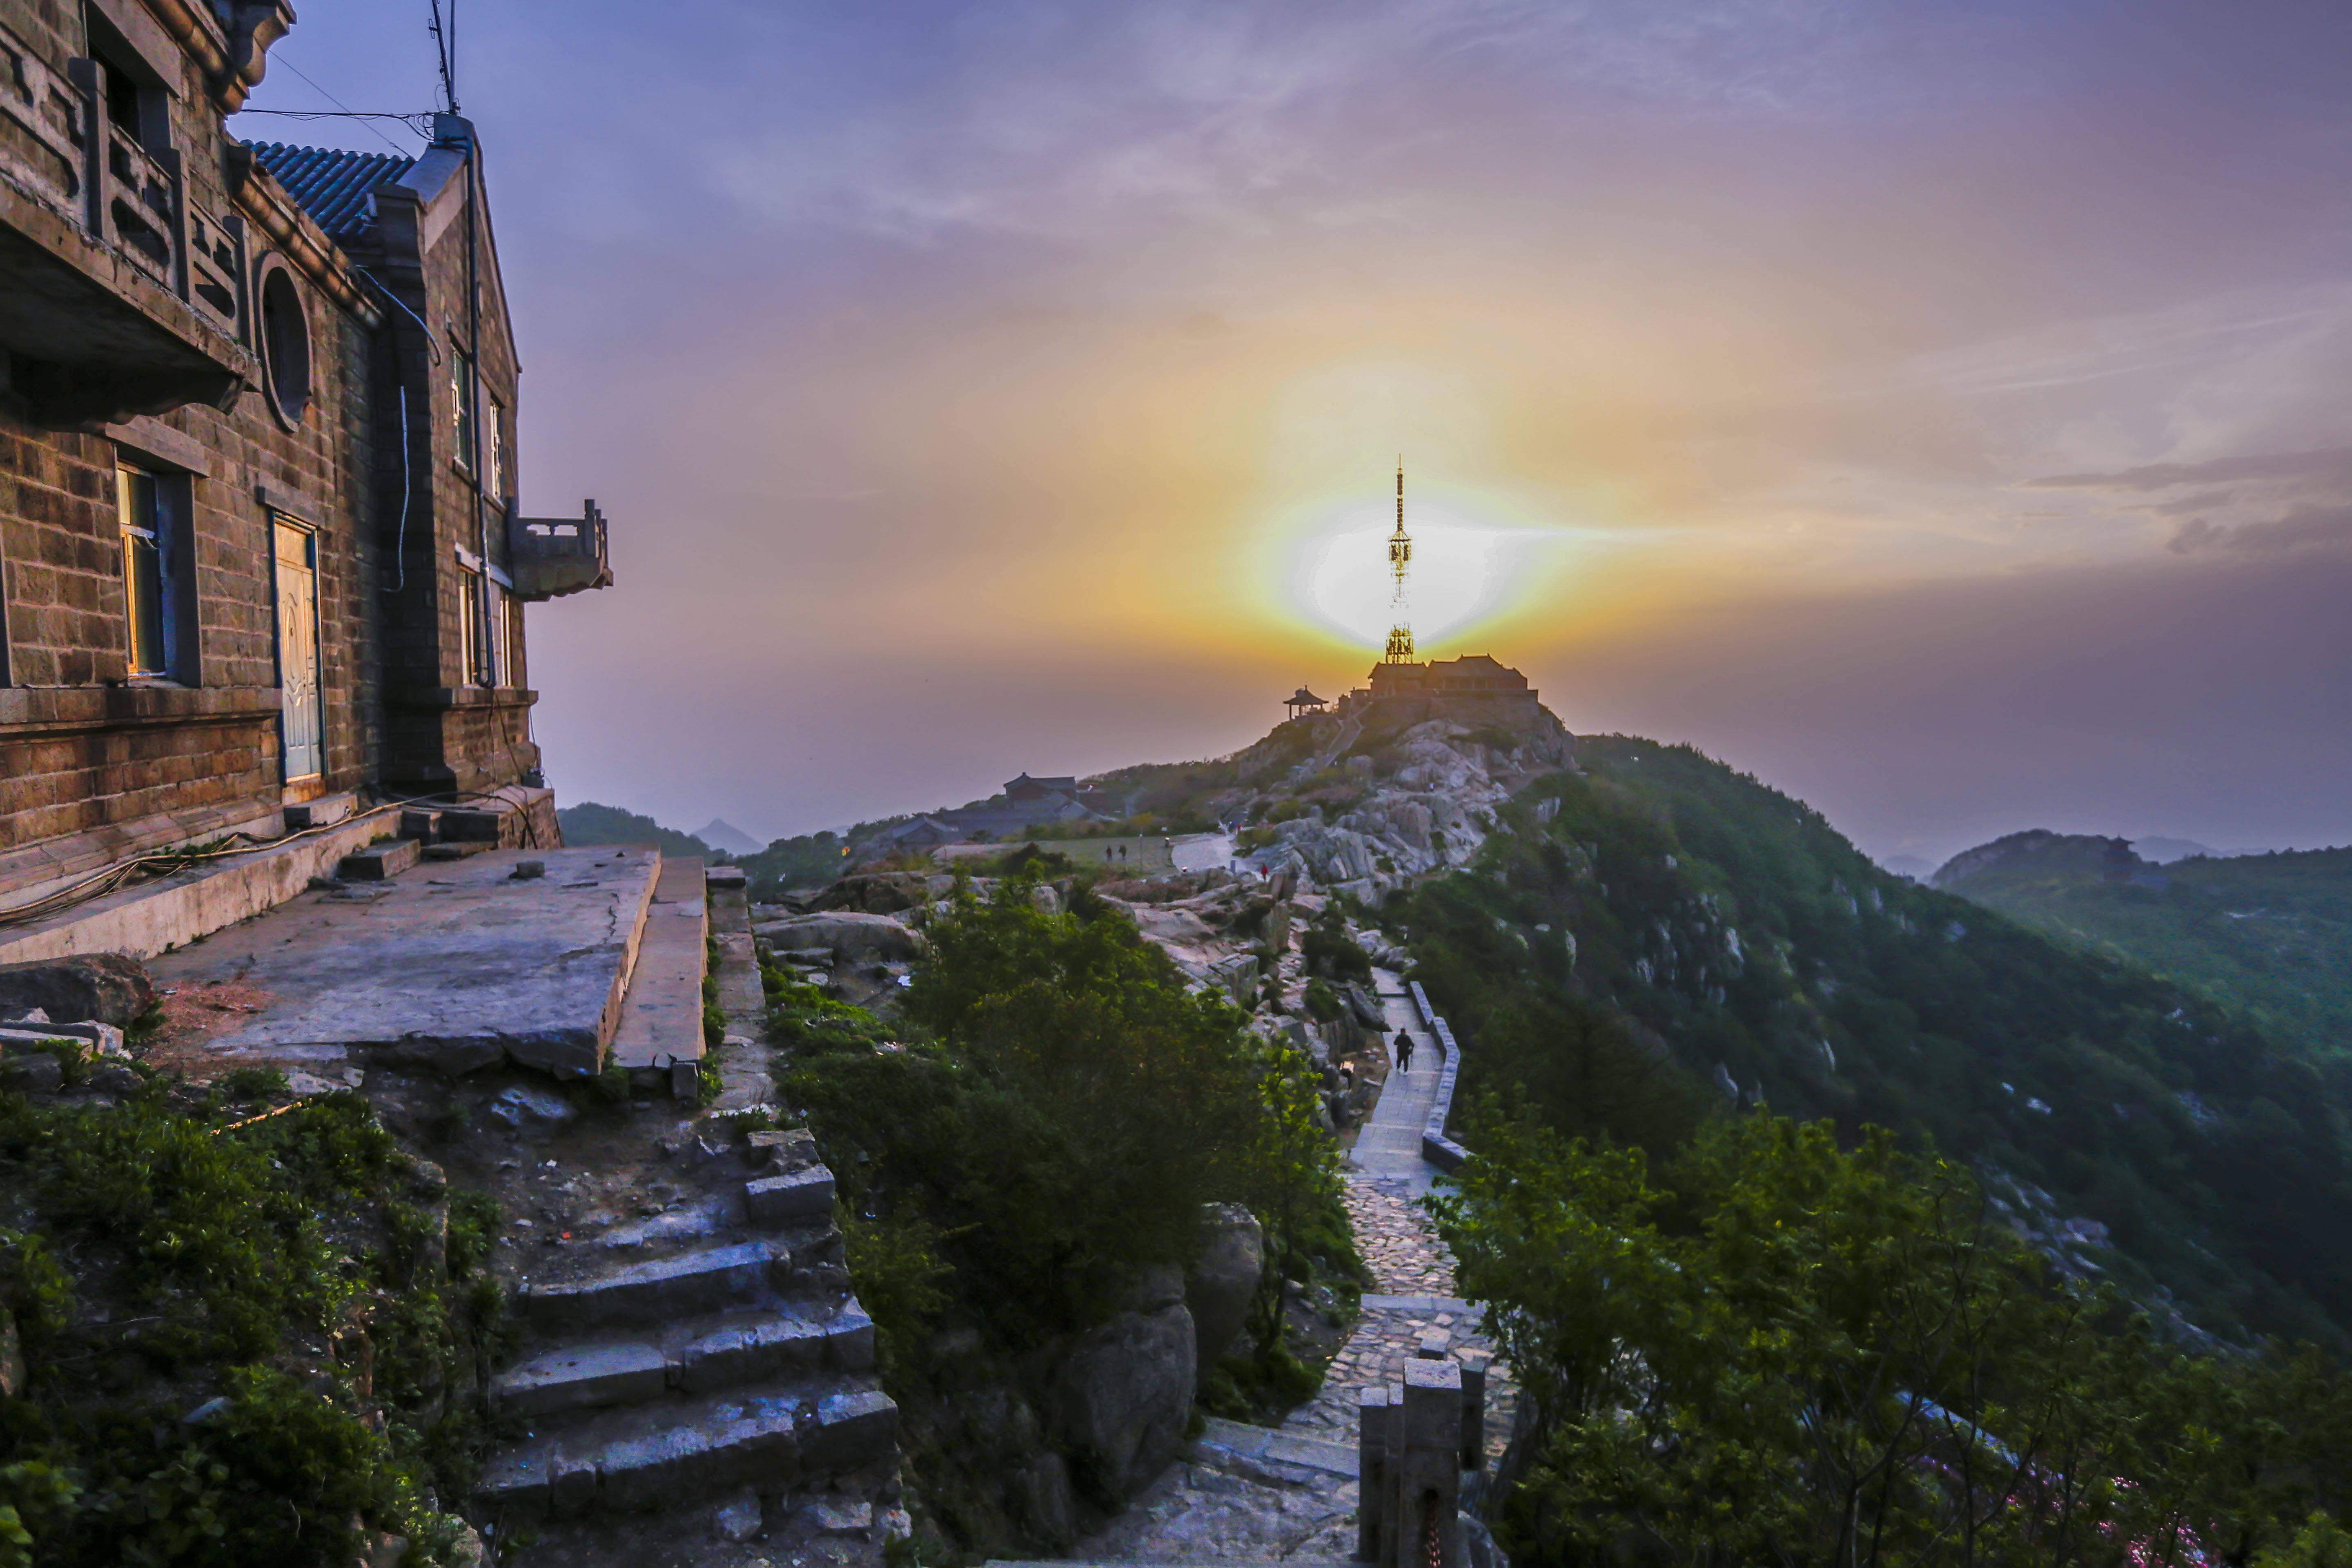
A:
[161,863]
[277,57]
[400,546]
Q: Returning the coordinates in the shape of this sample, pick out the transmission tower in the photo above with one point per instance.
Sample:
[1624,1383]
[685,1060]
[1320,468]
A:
[1400,559]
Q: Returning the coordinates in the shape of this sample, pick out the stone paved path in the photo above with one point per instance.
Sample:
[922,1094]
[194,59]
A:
[1413,1274]
[1243,1494]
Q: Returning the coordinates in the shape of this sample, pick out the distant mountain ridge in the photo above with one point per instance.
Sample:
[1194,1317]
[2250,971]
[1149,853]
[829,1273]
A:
[721,833]
[589,823]
[2268,935]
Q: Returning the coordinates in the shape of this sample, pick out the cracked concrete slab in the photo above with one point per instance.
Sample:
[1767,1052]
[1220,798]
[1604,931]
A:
[458,965]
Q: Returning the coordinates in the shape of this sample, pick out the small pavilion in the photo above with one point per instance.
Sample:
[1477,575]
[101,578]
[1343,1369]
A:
[1303,702]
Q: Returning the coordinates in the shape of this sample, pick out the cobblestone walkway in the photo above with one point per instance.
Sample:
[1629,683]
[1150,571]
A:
[1413,1295]
[1236,1498]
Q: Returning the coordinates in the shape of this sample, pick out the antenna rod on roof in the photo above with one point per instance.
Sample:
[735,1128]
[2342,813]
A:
[445,50]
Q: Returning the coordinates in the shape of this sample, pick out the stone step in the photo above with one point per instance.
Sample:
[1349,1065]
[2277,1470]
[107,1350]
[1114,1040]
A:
[794,1197]
[380,862]
[1270,1456]
[1174,1563]
[707,1279]
[698,1355]
[774,1437]
[661,1016]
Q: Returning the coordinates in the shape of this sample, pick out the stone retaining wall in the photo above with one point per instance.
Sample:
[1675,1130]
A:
[1435,1147]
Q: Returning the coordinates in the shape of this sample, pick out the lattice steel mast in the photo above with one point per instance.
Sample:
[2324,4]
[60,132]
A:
[1400,558]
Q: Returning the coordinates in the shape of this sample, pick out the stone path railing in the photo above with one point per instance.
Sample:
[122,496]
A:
[1435,1147]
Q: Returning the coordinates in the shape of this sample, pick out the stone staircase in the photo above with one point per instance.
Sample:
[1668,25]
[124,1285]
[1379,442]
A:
[724,1364]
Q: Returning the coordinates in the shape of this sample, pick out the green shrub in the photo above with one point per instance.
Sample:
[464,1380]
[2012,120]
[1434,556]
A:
[213,1248]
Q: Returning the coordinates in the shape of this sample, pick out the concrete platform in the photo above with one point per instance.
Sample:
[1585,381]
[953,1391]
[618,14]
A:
[454,966]
[147,918]
[661,1016]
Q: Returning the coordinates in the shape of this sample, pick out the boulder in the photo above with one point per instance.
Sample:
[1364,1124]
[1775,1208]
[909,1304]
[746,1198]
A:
[1123,1393]
[1045,1504]
[852,935]
[1218,1289]
[883,893]
[106,987]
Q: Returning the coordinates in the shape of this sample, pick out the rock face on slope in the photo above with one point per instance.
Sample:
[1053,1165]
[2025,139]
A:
[1218,1289]
[1124,1391]
[1385,808]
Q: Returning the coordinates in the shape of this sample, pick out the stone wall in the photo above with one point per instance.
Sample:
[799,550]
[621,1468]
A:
[1435,1147]
[84,749]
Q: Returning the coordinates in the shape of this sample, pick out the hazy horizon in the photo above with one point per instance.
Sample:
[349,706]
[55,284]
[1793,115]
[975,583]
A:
[1940,415]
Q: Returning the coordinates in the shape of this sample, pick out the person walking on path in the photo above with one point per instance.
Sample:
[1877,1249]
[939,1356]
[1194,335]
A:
[1403,1051]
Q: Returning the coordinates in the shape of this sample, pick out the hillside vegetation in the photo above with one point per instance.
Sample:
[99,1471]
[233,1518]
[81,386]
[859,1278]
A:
[1641,945]
[2268,936]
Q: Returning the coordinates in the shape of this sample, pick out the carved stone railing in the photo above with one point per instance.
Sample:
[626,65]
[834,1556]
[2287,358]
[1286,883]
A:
[122,299]
[550,556]
[44,139]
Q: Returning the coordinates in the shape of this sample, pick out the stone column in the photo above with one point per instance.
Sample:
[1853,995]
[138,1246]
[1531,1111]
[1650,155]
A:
[1425,1467]
[1474,1408]
[1371,1469]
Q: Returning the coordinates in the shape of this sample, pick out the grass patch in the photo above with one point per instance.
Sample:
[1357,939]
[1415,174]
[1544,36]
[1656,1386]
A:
[241,1346]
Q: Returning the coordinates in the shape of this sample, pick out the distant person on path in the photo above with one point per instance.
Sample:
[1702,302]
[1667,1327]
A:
[1403,1051]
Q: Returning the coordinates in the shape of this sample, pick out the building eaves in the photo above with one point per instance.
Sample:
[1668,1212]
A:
[335,188]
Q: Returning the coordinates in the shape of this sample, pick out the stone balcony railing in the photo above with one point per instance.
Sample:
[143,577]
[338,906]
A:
[551,556]
[117,296]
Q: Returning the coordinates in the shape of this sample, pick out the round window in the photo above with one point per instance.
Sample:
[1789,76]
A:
[286,344]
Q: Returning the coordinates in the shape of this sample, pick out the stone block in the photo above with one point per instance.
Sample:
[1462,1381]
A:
[469,826]
[658,1290]
[725,877]
[96,1039]
[324,812]
[852,1429]
[420,822]
[1371,1467]
[380,862]
[624,1374]
[748,1352]
[795,1197]
[571,1486]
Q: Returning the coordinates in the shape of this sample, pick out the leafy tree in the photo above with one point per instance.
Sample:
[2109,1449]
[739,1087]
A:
[1788,1352]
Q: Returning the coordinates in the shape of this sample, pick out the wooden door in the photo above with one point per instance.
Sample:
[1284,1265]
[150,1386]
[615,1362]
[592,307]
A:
[301,723]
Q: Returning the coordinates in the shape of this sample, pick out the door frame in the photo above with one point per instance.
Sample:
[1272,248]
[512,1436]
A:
[297,787]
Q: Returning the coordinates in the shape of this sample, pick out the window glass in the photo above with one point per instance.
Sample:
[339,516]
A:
[502,637]
[496,434]
[137,497]
[470,635]
[462,393]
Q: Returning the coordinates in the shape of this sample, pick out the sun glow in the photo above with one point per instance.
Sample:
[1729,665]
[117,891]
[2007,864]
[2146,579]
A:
[1466,571]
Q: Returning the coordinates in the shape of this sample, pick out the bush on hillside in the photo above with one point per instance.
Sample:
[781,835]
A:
[255,1357]
[1785,1351]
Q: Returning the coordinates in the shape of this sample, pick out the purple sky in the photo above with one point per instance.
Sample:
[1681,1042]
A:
[1943,411]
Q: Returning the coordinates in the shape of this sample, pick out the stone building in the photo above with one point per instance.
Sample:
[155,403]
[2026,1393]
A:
[1474,686]
[258,542]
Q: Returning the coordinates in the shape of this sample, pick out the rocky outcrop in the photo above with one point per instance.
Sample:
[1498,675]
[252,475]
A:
[884,893]
[852,935]
[1430,795]
[1222,1285]
[103,986]
[1123,1393]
